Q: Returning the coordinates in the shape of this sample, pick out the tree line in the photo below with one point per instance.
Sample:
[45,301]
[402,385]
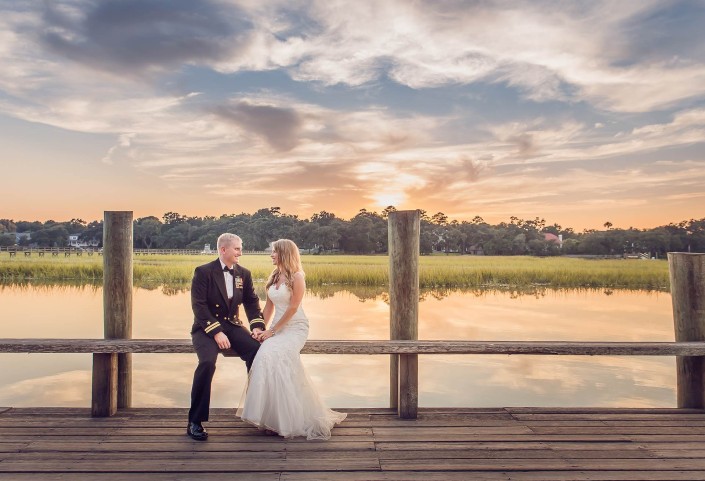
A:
[366,233]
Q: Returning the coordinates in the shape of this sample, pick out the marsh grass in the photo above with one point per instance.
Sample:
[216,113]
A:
[435,271]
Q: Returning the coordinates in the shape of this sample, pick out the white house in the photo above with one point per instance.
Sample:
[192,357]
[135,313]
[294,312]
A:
[75,241]
[22,235]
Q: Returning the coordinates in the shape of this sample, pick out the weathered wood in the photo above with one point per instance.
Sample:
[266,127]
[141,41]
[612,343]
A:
[105,376]
[533,475]
[687,274]
[443,444]
[559,348]
[117,293]
[403,236]
[147,476]
[408,386]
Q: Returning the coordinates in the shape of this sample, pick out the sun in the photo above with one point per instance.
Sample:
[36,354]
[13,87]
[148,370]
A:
[385,199]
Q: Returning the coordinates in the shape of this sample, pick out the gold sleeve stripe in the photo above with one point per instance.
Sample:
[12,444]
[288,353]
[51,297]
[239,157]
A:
[215,325]
[257,321]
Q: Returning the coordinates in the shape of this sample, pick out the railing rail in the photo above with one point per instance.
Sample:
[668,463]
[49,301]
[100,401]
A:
[107,351]
[371,347]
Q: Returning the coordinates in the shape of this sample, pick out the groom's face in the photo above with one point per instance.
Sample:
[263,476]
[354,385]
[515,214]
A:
[230,253]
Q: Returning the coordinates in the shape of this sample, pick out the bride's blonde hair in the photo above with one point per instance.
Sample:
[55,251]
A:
[288,263]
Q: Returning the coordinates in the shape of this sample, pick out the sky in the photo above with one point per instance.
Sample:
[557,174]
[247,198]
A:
[577,112]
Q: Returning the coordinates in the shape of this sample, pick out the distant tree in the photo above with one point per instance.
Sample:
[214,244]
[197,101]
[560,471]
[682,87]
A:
[439,218]
[366,232]
[426,241]
[454,239]
[23,226]
[147,231]
[174,235]
[388,210]
[93,233]
[55,235]
[173,218]
[323,218]
[327,237]
[6,225]
[7,240]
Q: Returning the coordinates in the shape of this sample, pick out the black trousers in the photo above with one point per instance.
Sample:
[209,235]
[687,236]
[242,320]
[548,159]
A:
[207,350]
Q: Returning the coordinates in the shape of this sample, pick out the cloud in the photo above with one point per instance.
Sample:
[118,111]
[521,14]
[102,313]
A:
[137,36]
[573,53]
[279,126]
[124,141]
[434,104]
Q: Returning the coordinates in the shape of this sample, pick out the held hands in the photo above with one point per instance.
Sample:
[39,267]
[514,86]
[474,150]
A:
[256,332]
[261,335]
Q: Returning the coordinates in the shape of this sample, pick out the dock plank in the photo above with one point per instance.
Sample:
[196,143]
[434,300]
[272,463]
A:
[517,444]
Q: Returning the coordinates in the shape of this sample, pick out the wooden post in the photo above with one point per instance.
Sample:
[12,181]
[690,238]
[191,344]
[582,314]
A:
[104,402]
[117,294]
[404,237]
[687,273]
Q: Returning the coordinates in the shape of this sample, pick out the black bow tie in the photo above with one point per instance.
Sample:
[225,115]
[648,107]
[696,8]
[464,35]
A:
[231,271]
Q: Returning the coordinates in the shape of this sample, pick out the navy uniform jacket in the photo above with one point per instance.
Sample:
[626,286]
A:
[209,299]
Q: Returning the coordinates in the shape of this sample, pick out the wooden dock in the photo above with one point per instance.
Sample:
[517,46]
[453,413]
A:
[372,444]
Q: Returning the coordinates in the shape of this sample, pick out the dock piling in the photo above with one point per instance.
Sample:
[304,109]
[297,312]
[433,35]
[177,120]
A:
[687,274]
[117,316]
[404,241]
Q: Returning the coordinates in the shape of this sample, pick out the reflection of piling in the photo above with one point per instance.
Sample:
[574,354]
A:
[404,235]
[687,272]
[112,373]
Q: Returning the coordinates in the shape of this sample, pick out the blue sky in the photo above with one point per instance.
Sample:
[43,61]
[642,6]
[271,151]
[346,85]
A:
[578,112]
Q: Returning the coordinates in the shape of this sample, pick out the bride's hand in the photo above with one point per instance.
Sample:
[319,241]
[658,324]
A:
[264,335]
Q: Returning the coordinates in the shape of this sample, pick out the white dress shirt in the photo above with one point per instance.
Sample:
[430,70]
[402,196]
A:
[228,280]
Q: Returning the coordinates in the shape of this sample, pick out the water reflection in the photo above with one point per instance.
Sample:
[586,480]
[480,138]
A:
[76,310]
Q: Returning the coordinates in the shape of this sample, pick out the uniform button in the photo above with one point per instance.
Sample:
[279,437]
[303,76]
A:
[216,315]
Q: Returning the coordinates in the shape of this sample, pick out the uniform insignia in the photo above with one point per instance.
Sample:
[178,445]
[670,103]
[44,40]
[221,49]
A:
[237,282]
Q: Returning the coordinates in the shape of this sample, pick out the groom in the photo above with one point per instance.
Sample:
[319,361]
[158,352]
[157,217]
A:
[217,290]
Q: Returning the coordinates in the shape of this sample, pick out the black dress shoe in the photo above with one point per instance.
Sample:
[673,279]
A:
[196,431]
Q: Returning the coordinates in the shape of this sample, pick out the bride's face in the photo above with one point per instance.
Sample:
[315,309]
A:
[275,257]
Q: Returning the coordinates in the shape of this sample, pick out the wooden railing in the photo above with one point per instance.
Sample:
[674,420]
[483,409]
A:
[372,347]
[54,251]
[106,351]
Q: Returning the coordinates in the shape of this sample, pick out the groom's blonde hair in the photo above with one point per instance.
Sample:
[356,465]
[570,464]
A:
[227,239]
[288,262]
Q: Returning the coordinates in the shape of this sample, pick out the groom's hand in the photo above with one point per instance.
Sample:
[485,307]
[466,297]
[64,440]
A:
[222,340]
[256,333]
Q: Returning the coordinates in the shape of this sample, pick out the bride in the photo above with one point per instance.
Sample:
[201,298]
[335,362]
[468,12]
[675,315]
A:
[280,396]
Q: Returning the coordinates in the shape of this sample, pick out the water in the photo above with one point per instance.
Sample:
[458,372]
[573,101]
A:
[164,380]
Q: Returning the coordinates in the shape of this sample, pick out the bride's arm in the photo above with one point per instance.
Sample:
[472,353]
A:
[268,311]
[297,294]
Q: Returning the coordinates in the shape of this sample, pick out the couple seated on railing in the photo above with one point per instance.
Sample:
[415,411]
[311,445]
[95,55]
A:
[279,397]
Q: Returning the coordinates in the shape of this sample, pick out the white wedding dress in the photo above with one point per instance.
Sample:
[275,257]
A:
[279,394]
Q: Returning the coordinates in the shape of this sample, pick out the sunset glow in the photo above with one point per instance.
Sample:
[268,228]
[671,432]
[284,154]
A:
[578,112]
